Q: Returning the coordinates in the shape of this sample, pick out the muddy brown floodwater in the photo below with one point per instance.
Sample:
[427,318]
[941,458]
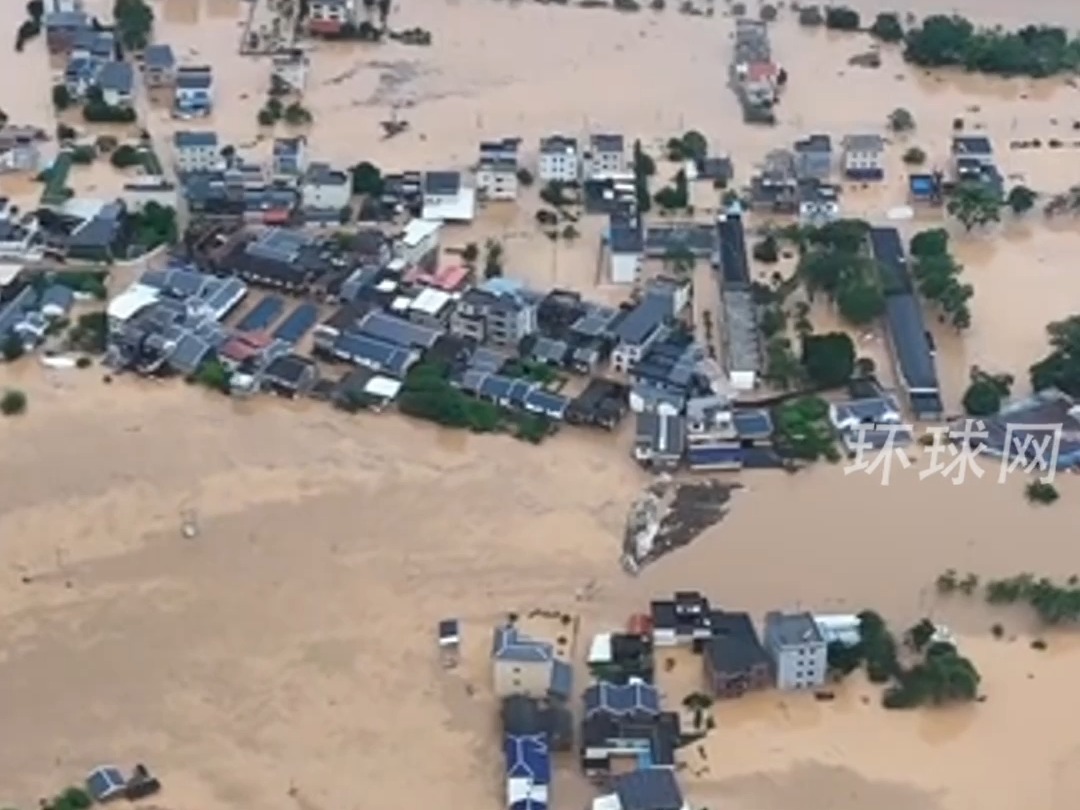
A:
[285,657]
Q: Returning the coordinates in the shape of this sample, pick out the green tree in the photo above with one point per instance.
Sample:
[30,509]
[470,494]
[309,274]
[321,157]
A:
[12,348]
[841,18]
[829,359]
[901,120]
[887,28]
[678,259]
[782,368]
[493,260]
[914,156]
[803,428]
[214,375]
[1061,367]
[1041,492]
[13,402]
[767,251]
[470,253]
[975,204]
[919,635]
[35,10]
[61,98]
[772,321]
[366,179]
[694,146]
[932,242]
[811,16]
[124,156]
[525,177]
[860,300]
[644,168]
[296,115]
[134,23]
[266,118]
[985,392]
[1021,199]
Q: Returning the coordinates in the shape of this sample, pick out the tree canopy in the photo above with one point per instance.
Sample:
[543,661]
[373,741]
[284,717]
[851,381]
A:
[985,392]
[829,358]
[938,276]
[803,429]
[1021,199]
[953,41]
[366,179]
[901,120]
[841,18]
[887,28]
[1061,367]
[134,23]
[974,203]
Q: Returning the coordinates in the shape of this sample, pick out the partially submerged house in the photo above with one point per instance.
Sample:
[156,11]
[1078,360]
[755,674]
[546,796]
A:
[159,65]
[626,722]
[497,169]
[560,159]
[193,91]
[447,198]
[734,658]
[864,157]
[660,440]
[525,666]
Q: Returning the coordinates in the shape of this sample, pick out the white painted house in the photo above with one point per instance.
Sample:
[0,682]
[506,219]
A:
[497,168]
[324,188]
[606,156]
[196,151]
[418,241]
[560,160]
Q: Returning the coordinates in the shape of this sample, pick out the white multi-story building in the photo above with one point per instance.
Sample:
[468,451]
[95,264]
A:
[606,156]
[325,189]
[560,160]
[797,648]
[497,169]
[196,151]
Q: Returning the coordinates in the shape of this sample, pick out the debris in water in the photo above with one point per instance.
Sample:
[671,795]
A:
[669,516]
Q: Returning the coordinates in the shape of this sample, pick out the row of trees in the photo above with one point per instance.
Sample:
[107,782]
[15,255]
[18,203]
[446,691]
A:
[937,274]
[427,394]
[644,168]
[295,114]
[1054,603]
[953,41]
[939,674]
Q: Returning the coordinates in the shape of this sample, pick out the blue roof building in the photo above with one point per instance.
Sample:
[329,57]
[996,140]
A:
[528,771]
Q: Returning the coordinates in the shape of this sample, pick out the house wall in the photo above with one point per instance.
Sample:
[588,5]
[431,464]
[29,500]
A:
[564,167]
[497,185]
[625,267]
[197,158]
[159,77]
[328,197]
[416,253]
[736,684]
[603,164]
[625,355]
[529,678]
[799,666]
[115,98]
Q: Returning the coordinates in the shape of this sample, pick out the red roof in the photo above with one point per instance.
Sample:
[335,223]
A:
[760,71]
[244,345]
[448,278]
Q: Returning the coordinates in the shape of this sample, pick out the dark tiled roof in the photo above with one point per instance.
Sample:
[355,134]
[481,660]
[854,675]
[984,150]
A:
[735,646]
[648,789]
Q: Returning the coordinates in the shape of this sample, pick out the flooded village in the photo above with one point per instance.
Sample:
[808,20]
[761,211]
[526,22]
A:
[382,378]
